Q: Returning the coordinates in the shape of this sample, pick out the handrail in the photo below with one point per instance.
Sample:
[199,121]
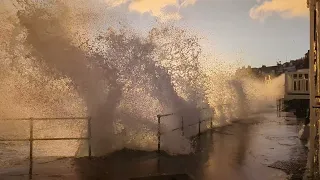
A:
[44,119]
[159,116]
[44,139]
[173,113]
[31,138]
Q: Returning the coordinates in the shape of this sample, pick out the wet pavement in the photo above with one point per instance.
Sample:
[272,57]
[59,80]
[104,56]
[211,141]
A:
[263,147]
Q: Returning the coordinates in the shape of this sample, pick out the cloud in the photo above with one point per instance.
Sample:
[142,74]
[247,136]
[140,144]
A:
[185,3]
[162,9]
[285,8]
[114,3]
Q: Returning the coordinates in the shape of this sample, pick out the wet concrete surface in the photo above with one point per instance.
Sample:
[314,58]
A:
[264,147]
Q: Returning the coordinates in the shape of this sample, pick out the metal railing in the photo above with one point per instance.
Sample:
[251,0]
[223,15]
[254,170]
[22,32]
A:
[31,138]
[280,106]
[182,127]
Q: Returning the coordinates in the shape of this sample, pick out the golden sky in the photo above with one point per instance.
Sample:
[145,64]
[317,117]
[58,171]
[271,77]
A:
[286,8]
[162,9]
[169,9]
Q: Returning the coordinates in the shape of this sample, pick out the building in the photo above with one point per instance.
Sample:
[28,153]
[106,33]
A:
[296,93]
[274,71]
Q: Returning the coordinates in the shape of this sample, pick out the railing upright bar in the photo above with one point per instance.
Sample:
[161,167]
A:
[182,128]
[199,127]
[31,149]
[212,117]
[279,108]
[89,137]
[159,139]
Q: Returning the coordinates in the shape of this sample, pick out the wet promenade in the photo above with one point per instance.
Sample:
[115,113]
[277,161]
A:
[264,147]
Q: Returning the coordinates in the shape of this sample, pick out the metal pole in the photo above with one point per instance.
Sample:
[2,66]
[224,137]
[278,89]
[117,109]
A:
[159,139]
[89,137]
[277,107]
[199,127]
[280,107]
[213,113]
[182,129]
[31,148]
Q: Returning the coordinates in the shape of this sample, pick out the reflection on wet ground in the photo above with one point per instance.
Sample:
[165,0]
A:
[250,149]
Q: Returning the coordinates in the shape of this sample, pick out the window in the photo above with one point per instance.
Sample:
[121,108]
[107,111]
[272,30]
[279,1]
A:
[294,85]
[294,76]
[306,76]
[307,85]
[300,76]
[299,86]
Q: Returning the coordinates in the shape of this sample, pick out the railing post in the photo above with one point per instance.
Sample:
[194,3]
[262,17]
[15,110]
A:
[199,127]
[159,133]
[278,108]
[31,148]
[182,128]
[89,137]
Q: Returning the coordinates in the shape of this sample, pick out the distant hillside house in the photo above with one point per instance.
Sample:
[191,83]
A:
[273,71]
